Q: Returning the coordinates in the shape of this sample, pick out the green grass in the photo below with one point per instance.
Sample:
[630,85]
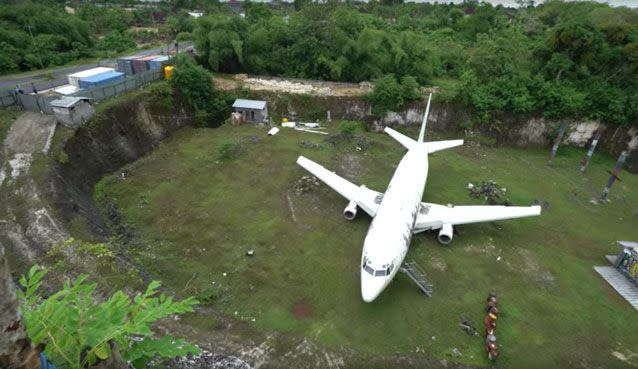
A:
[198,216]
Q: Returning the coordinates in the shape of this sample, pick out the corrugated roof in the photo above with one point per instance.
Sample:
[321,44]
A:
[249,104]
[67,101]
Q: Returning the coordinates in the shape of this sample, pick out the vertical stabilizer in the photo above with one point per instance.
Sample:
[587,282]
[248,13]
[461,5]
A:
[425,120]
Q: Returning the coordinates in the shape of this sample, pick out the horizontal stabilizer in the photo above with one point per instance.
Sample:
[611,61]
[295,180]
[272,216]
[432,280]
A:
[435,146]
[404,140]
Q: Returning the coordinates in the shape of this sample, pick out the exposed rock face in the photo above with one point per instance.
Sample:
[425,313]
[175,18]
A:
[121,135]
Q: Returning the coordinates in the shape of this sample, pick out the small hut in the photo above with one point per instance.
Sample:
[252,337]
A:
[251,110]
[72,111]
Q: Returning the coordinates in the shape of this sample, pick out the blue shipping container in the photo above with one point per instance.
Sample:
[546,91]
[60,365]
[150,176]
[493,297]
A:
[101,79]
[158,63]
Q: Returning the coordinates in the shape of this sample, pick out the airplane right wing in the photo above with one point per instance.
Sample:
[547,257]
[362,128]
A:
[365,198]
[434,216]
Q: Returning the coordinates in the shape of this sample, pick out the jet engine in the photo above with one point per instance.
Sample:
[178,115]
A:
[446,234]
[350,211]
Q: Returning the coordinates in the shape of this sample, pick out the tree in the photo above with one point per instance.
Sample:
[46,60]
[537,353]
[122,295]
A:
[195,83]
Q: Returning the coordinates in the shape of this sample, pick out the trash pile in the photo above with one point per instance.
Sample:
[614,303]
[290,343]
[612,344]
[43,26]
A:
[468,327]
[490,192]
[490,326]
[306,184]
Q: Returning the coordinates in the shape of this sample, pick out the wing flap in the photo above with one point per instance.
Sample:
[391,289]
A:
[433,216]
[367,199]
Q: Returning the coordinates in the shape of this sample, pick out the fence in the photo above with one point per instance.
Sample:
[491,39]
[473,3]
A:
[127,84]
[41,102]
[7,98]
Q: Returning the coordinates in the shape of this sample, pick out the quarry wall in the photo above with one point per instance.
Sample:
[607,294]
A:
[120,135]
[452,117]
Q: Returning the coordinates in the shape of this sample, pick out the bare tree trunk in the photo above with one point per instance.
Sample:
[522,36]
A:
[16,351]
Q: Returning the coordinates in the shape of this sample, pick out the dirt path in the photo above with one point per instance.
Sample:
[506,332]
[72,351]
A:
[30,133]
[27,224]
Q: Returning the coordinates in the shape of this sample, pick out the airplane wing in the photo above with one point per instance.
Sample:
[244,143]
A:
[434,216]
[365,198]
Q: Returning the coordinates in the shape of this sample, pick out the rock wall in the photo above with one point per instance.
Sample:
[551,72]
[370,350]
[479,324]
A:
[452,117]
[118,136]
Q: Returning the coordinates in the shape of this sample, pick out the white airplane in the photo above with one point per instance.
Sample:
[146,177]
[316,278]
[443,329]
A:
[399,213]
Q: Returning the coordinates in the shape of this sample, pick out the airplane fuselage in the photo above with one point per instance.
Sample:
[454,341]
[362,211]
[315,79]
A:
[388,238]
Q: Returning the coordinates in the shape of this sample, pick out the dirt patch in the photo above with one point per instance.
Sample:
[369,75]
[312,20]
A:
[438,263]
[301,310]
[531,266]
[30,133]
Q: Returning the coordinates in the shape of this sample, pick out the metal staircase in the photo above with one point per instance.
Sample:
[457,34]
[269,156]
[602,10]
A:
[417,275]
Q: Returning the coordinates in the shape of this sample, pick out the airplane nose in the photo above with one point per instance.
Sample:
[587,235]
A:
[371,287]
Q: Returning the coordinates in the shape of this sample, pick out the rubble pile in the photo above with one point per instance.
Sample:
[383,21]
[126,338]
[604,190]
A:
[208,360]
[490,192]
[306,184]
[310,144]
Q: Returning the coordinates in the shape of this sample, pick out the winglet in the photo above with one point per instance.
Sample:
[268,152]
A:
[425,120]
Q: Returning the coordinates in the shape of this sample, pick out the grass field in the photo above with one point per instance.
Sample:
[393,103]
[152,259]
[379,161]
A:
[198,215]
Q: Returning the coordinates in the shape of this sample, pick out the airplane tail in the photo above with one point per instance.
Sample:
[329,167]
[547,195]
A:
[425,120]
[433,146]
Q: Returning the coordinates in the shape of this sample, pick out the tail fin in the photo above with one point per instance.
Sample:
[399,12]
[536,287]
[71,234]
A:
[425,120]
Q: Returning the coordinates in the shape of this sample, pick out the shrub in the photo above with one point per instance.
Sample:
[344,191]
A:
[161,95]
[79,329]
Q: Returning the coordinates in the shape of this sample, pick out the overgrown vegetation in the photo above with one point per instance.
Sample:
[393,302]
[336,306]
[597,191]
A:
[36,34]
[80,330]
[560,59]
[390,95]
[196,84]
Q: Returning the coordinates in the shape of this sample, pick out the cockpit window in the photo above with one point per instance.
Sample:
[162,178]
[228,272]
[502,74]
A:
[368,269]
[379,273]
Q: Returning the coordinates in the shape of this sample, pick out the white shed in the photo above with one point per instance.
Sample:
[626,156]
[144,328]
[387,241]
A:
[251,110]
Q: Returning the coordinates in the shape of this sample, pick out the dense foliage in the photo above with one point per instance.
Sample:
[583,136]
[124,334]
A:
[38,34]
[561,60]
[79,328]
[195,84]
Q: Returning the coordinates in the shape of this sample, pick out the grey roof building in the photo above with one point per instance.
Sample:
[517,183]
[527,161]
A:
[72,111]
[251,110]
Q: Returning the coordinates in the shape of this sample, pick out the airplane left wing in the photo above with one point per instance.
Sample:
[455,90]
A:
[434,216]
[364,197]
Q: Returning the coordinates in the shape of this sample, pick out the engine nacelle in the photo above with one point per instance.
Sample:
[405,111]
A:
[446,234]
[350,211]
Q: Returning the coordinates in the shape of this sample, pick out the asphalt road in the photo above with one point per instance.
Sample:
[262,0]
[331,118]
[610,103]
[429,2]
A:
[44,81]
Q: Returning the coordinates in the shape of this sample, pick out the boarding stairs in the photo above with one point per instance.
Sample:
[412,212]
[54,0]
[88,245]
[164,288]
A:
[417,275]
